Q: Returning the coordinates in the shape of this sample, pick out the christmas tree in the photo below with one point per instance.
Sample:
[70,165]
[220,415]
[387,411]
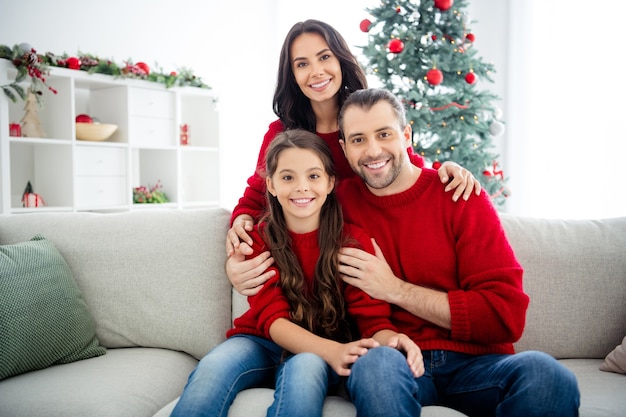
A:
[423,51]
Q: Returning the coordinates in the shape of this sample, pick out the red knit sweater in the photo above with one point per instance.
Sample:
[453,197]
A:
[253,201]
[269,304]
[460,248]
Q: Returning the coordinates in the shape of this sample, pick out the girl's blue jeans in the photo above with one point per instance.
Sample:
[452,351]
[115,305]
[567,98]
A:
[526,384]
[301,381]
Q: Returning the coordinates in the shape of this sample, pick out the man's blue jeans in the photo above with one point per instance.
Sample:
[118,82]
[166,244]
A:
[243,362]
[526,384]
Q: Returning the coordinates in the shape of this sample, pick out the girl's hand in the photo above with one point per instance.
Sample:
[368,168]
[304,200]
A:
[343,355]
[239,233]
[463,182]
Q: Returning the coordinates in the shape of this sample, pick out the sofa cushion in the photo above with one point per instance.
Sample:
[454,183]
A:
[43,317]
[574,274]
[128,382]
[615,361]
[151,278]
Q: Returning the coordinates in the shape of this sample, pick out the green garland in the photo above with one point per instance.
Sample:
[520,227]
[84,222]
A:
[35,66]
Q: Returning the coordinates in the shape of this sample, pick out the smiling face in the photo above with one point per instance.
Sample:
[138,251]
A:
[316,69]
[301,185]
[375,146]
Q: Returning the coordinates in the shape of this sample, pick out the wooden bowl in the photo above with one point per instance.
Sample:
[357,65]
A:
[94,131]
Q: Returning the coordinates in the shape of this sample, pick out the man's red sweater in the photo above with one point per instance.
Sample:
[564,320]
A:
[253,201]
[460,248]
[269,304]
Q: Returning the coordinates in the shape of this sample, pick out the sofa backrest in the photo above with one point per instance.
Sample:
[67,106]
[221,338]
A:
[152,278]
[575,275]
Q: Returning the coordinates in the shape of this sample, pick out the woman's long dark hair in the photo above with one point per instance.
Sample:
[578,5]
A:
[320,309]
[290,104]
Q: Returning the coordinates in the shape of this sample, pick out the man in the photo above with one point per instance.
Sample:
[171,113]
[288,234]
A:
[451,276]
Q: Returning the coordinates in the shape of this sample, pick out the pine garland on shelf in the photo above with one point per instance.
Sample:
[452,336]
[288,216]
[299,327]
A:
[30,64]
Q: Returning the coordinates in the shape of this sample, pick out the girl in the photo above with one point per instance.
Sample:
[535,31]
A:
[316,74]
[298,328]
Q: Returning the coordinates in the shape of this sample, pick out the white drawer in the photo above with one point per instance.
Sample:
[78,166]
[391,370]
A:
[100,161]
[146,131]
[151,103]
[101,191]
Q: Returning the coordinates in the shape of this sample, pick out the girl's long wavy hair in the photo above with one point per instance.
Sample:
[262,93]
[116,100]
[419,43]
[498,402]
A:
[320,309]
[290,104]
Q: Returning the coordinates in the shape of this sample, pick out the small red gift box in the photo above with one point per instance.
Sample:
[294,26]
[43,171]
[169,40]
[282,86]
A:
[15,129]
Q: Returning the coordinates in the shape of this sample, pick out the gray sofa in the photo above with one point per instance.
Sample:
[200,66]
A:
[154,284]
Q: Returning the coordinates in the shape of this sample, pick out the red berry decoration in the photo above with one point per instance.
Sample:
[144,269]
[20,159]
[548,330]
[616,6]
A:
[470,37]
[470,78]
[143,66]
[443,4]
[395,46]
[434,76]
[436,165]
[73,63]
[365,25]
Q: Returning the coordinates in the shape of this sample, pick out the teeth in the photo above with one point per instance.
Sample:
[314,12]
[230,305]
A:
[376,166]
[302,200]
[322,84]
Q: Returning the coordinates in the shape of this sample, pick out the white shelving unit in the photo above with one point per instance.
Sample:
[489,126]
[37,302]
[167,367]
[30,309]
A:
[77,175]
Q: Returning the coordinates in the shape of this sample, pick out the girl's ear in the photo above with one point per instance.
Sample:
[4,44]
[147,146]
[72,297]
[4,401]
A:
[331,184]
[270,188]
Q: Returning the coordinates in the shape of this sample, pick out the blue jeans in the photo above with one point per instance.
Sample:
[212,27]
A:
[526,384]
[243,362]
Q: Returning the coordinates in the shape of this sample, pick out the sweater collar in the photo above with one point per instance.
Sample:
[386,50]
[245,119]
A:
[425,179]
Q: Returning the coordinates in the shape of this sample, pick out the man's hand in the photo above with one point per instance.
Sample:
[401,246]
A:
[367,272]
[238,233]
[413,353]
[248,275]
[463,182]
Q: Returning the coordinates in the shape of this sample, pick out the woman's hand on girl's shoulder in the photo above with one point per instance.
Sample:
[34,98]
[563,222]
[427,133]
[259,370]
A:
[459,179]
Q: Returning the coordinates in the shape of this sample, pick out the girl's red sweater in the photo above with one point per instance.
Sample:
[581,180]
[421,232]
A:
[253,201]
[460,248]
[269,304]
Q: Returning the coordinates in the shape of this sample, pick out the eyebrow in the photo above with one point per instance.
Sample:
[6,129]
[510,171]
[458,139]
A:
[323,51]
[380,129]
[288,170]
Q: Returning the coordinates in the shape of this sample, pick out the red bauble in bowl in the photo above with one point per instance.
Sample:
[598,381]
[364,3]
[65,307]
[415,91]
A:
[84,118]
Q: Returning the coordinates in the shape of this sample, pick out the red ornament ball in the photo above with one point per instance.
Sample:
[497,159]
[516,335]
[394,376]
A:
[443,4]
[470,37]
[436,165]
[434,76]
[470,78]
[365,25]
[395,46]
[433,37]
[73,63]
[143,66]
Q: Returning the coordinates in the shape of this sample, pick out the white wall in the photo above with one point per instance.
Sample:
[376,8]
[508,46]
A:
[232,46]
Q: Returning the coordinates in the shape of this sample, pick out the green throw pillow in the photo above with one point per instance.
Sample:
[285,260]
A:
[43,318]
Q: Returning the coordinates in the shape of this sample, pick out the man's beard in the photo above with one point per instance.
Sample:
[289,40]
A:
[380,181]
